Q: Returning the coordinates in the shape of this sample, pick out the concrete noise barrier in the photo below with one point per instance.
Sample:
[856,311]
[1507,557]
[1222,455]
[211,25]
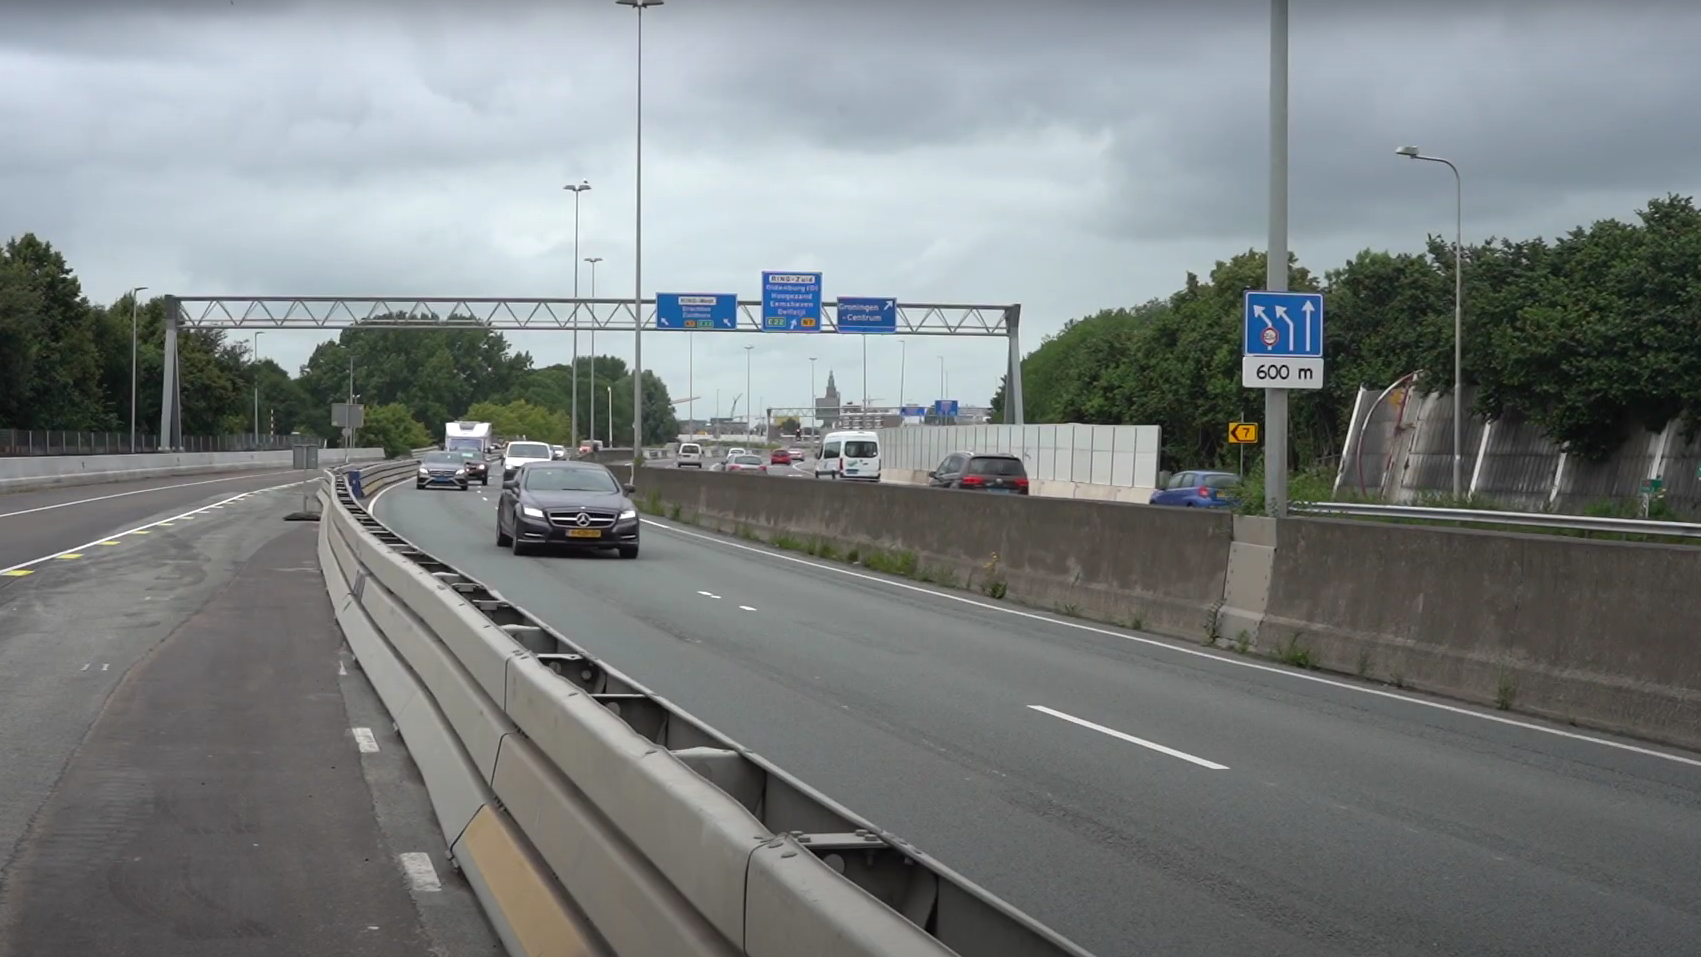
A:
[20,473]
[585,809]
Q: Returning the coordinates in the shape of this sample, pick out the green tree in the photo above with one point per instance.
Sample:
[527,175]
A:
[521,418]
[789,425]
[394,429]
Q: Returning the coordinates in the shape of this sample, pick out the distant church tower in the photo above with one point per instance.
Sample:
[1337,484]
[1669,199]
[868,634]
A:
[827,406]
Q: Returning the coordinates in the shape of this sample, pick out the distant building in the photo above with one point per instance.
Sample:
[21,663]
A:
[827,406]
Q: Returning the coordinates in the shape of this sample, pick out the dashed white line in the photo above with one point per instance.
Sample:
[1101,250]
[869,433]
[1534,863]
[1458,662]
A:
[1123,736]
[709,595]
[745,608]
[105,666]
[422,876]
[86,667]
[1175,648]
[342,668]
[364,739]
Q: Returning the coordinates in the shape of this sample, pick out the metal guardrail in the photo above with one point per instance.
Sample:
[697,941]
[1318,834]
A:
[23,442]
[1477,516]
[763,864]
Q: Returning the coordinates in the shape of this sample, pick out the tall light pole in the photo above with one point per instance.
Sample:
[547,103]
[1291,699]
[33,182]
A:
[582,186]
[1458,306]
[254,356]
[747,416]
[1276,258]
[903,356]
[638,246]
[942,394]
[133,301]
[814,406]
[593,260]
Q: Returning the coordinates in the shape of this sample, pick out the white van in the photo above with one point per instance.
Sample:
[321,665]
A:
[690,455]
[854,456]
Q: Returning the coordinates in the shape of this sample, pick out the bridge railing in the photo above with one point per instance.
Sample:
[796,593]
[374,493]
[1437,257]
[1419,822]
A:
[20,442]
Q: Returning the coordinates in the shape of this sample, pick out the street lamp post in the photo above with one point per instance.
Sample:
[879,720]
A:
[134,293]
[593,260]
[747,416]
[1276,257]
[254,357]
[941,376]
[903,356]
[638,243]
[814,406]
[582,186]
[1458,306]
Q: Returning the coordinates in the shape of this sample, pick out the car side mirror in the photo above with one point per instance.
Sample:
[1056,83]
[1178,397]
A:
[933,474]
[630,488]
[511,483]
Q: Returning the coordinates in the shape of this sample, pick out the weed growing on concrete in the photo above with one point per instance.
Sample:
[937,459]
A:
[788,542]
[992,583]
[1068,609]
[1214,625]
[945,576]
[1242,641]
[1505,691]
[1137,622]
[746,532]
[1363,662]
[1293,653]
[854,556]
[673,511]
[1397,678]
[653,502]
[829,551]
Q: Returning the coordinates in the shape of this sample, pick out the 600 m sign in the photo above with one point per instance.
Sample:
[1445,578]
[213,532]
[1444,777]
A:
[1281,372]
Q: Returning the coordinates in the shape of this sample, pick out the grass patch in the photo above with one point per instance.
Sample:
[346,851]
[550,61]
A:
[1242,642]
[1295,654]
[674,511]
[790,543]
[746,532]
[1214,625]
[1505,691]
[992,583]
[1363,662]
[651,504]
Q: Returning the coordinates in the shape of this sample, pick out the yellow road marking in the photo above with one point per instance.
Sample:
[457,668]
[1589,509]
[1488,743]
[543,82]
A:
[69,555]
[109,543]
[17,573]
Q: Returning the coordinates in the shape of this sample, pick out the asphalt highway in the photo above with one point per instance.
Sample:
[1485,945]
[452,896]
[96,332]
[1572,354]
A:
[191,764]
[1138,795]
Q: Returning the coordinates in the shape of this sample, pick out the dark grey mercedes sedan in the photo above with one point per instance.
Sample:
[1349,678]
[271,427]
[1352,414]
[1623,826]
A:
[574,504]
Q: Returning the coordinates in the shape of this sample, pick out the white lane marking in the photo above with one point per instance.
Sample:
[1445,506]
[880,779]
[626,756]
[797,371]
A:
[138,530]
[1122,736]
[421,875]
[1291,673]
[745,608]
[364,739]
[342,669]
[709,595]
[85,667]
[140,491]
[105,666]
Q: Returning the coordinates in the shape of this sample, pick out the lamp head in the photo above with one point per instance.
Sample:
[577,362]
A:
[1410,151]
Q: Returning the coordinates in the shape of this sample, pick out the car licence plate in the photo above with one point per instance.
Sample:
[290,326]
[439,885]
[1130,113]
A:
[584,533]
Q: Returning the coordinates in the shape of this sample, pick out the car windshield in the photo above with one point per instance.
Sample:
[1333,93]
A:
[468,454]
[569,480]
[995,466]
[749,460]
[443,458]
[528,450]
[861,450]
[464,443]
[1221,480]
[689,450]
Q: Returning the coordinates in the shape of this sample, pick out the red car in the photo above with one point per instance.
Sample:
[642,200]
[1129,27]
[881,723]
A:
[780,457]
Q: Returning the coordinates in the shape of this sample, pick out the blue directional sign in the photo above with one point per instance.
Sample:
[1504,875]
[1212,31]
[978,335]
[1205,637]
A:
[913,411]
[1284,325]
[945,408]
[864,314]
[699,310]
[791,302]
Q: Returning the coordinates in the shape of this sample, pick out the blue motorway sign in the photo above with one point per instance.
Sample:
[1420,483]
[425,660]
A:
[791,302]
[863,314]
[913,411]
[683,310]
[945,408]
[1284,325]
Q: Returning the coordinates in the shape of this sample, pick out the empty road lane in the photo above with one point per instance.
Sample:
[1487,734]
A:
[1138,795]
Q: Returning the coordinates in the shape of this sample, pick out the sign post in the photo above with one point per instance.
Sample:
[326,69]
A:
[1282,349]
[1243,434]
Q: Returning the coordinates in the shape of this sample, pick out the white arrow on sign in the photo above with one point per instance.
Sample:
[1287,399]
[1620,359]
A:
[1259,312]
[1309,309]
[1282,314]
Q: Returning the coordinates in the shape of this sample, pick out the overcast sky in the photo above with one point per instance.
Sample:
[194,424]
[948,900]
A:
[1064,154]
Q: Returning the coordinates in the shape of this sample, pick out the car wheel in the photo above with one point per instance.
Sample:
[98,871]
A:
[485,481]
[628,551]
[502,539]
[519,547]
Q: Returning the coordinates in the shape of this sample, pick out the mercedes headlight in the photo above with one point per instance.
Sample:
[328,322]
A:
[530,512]
[459,473]
[629,513]
[424,471]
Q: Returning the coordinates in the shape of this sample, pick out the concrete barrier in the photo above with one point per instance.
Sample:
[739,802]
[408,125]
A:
[1164,568]
[1595,633]
[593,817]
[1045,488]
[49,471]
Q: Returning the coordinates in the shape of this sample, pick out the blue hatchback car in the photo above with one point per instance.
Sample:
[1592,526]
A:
[1198,490]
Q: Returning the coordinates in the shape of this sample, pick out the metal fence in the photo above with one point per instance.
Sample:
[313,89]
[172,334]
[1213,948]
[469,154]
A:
[16,442]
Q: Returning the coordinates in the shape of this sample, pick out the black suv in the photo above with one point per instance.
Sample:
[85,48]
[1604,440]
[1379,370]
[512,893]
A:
[981,472]
[477,467]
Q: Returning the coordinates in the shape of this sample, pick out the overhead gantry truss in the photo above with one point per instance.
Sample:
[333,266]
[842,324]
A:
[515,315]
[507,314]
